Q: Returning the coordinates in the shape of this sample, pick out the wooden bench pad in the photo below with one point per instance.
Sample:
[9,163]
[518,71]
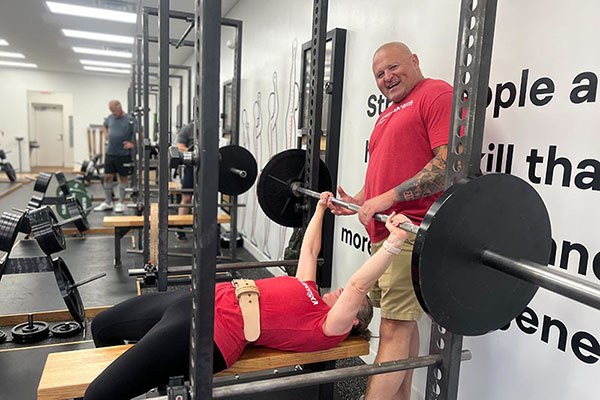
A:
[67,374]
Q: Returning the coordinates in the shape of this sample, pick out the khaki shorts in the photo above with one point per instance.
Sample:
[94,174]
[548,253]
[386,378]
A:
[394,292]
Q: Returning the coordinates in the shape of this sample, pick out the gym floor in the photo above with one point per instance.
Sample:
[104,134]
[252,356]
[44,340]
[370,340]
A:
[85,256]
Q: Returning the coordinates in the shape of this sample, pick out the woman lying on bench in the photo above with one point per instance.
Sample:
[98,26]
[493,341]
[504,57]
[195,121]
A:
[290,315]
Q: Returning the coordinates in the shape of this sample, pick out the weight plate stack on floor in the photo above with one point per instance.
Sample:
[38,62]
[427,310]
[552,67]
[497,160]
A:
[30,332]
[66,329]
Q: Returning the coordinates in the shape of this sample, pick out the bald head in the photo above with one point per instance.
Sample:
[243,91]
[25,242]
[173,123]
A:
[115,108]
[398,47]
[396,70]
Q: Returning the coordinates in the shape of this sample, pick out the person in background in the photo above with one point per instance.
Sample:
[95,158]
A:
[185,139]
[119,129]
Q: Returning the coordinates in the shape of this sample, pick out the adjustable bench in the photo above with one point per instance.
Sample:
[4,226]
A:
[124,223]
[67,374]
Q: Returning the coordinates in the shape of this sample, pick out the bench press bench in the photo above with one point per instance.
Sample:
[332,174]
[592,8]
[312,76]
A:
[124,223]
[67,374]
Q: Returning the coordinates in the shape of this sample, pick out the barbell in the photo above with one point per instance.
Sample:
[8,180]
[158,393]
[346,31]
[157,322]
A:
[480,253]
[237,167]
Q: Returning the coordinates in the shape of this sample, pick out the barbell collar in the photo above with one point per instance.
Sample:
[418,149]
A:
[239,172]
[556,281]
[297,188]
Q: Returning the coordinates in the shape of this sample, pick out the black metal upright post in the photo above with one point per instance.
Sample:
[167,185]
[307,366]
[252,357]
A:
[313,138]
[145,151]
[139,113]
[235,123]
[207,52]
[163,143]
[471,79]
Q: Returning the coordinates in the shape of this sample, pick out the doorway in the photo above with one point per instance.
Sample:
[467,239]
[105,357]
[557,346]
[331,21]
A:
[48,132]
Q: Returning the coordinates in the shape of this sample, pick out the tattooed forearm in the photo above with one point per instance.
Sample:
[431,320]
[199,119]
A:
[428,181]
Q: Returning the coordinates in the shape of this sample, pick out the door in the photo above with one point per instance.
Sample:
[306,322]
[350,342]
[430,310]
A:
[49,134]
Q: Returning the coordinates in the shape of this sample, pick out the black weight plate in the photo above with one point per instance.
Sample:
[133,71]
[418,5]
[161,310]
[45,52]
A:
[2,337]
[274,192]
[10,225]
[63,186]
[84,166]
[233,156]
[497,212]
[42,182]
[22,333]
[75,209]
[70,294]
[10,172]
[66,329]
[47,233]
[35,202]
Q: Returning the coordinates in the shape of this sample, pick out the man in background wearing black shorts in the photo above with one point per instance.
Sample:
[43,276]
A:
[185,139]
[120,130]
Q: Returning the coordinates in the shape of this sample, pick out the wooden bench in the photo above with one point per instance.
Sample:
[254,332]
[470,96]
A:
[124,223]
[67,374]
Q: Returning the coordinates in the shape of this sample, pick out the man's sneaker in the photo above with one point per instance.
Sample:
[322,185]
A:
[119,207]
[104,206]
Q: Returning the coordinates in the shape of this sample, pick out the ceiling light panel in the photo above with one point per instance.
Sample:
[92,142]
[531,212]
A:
[102,37]
[102,52]
[105,64]
[9,54]
[105,69]
[17,64]
[91,12]
[3,42]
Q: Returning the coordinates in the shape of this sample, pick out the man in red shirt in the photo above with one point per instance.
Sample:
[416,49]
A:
[293,316]
[405,174]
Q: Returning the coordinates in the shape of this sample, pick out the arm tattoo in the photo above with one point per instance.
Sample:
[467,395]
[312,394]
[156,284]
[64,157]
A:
[428,181]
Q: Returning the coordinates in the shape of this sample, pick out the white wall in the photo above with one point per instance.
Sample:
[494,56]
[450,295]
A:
[90,94]
[529,35]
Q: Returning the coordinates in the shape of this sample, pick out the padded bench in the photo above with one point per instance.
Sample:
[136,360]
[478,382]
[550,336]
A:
[124,223]
[67,374]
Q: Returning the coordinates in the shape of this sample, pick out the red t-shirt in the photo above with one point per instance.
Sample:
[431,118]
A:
[401,145]
[292,314]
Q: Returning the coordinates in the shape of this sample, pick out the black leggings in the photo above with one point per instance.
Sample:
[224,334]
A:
[160,322]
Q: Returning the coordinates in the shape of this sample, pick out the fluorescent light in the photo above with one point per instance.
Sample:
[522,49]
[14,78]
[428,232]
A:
[9,54]
[104,37]
[102,52]
[105,64]
[17,64]
[3,42]
[91,12]
[103,69]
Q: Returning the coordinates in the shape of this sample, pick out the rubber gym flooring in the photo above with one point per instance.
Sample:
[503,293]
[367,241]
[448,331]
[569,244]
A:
[21,365]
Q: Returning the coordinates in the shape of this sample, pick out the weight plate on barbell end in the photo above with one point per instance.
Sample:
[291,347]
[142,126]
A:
[35,202]
[497,212]
[22,333]
[10,226]
[48,234]
[84,166]
[70,294]
[63,186]
[75,209]
[2,337]
[41,182]
[66,329]
[274,191]
[237,157]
